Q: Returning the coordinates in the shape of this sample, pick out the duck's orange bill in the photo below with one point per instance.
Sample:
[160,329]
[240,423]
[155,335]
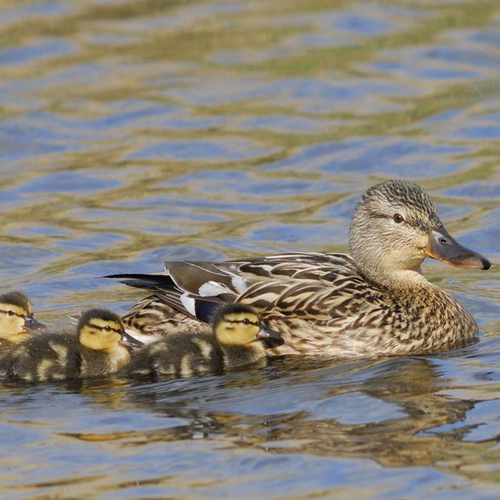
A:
[443,247]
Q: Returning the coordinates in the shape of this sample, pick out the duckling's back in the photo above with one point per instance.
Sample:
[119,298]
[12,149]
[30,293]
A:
[52,356]
[181,355]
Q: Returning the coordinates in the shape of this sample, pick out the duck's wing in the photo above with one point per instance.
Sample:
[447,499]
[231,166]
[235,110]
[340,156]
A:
[235,276]
[213,279]
[310,285]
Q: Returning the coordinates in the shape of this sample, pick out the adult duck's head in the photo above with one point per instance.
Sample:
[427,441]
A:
[395,227]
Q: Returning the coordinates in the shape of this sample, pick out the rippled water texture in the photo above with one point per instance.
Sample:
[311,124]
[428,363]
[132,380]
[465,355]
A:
[133,131]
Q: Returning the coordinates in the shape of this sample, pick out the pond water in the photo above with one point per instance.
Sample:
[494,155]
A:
[137,131]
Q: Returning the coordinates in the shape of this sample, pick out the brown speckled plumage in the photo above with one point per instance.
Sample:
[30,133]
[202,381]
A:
[374,303]
[150,318]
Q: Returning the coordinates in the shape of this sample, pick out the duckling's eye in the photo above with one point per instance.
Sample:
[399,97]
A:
[398,218]
[107,328]
[246,321]
[11,313]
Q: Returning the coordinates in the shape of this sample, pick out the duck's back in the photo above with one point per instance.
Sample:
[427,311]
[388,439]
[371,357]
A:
[315,286]
[178,354]
[52,356]
[307,297]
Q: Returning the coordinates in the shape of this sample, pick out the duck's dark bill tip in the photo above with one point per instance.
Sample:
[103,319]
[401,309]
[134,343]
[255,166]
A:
[486,263]
[473,262]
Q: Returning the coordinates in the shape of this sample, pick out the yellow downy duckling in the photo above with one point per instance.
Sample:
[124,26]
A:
[17,322]
[99,347]
[238,338]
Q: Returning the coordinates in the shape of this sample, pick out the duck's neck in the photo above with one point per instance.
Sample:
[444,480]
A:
[394,279]
[429,315]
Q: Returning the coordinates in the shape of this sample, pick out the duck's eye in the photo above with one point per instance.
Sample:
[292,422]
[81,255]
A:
[11,313]
[107,328]
[246,321]
[398,218]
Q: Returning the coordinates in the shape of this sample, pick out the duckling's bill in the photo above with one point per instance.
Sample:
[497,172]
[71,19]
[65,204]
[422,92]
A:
[271,338]
[129,341]
[33,325]
[444,247]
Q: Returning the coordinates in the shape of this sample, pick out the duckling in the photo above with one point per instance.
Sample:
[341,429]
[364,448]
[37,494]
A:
[237,338]
[99,347]
[17,322]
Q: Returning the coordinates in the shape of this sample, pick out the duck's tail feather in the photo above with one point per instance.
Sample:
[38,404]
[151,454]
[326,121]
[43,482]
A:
[146,281]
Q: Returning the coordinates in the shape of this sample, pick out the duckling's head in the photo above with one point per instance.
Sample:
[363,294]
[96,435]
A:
[238,324]
[101,330]
[395,227]
[16,317]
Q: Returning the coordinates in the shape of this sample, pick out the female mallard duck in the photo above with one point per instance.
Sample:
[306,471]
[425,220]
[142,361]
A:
[374,302]
[237,338]
[17,322]
[98,348]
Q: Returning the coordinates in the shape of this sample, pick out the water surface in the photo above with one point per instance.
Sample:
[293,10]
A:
[132,132]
